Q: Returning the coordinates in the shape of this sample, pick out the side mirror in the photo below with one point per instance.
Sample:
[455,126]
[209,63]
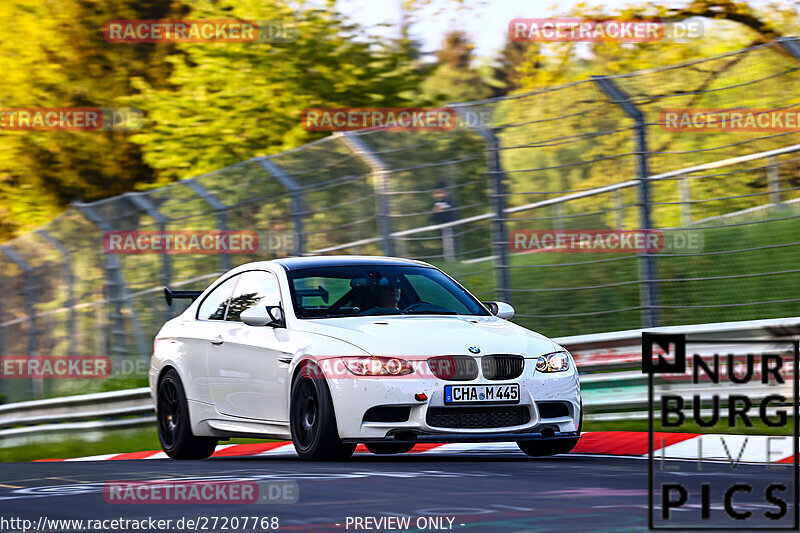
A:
[275,313]
[500,309]
[259,315]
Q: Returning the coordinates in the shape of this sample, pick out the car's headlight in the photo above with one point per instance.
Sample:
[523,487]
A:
[377,366]
[553,362]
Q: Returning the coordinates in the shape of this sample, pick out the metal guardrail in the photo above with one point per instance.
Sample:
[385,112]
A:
[613,386]
[102,411]
[115,404]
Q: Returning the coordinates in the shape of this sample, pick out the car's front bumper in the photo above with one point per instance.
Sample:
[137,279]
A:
[354,396]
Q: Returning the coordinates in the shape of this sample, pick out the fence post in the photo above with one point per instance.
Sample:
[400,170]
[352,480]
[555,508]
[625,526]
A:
[3,399]
[2,327]
[558,216]
[648,291]
[791,45]
[219,209]
[143,205]
[116,291]
[379,171]
[296,194]
[28,280]
[684,187]
[619,206]
[773,181]
[69,279]
[496,185]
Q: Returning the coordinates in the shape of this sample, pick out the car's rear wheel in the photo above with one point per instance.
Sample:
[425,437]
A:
[388,448]
[312,419]
[174,426]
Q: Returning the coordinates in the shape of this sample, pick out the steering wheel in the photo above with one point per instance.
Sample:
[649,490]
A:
[416,305]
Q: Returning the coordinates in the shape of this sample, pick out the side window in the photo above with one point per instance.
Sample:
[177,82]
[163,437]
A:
[255,288]
[213,307]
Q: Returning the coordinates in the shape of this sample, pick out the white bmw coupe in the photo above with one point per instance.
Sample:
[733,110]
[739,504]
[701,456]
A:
[336,351]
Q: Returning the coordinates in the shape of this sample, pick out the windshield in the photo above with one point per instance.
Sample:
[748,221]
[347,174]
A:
[366,290]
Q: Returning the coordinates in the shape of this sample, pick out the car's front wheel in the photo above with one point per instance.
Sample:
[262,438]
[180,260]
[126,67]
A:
[174,426]
[312,419]
[388,448]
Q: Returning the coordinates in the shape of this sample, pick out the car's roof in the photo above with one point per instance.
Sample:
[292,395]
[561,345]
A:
[298,263]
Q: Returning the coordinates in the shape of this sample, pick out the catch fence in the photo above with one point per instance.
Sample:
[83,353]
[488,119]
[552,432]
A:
[591,155]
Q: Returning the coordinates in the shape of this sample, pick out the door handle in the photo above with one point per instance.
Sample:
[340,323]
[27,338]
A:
[216,341]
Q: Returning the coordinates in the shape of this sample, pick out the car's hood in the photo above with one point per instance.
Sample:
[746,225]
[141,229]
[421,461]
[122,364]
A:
[431,335]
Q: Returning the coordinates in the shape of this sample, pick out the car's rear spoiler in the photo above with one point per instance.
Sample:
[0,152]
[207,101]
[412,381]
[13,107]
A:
[169,294]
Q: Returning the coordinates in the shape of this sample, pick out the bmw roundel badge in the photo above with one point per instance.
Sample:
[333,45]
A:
[474,349]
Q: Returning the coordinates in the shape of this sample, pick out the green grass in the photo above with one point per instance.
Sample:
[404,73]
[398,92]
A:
[112,441]
[535,309]
[758,428]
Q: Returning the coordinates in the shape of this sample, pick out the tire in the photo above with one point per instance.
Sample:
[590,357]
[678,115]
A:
[540,448]
[174,426]
[312,420]
[388,448]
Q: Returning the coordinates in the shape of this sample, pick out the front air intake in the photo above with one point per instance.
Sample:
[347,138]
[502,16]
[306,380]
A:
[552,409]
[478,417]
[387,413]
[454,367]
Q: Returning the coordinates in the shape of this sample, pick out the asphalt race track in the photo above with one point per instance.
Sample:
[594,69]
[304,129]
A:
[480,492]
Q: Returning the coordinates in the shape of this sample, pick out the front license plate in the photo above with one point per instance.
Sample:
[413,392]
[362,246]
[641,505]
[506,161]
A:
[481,393]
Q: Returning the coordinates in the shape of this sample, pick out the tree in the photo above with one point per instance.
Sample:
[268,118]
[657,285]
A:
[54,55]
[231,102]
[506,72]
[454,79]
[737,25]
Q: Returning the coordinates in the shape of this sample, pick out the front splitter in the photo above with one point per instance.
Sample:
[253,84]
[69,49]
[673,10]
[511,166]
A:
[417,436]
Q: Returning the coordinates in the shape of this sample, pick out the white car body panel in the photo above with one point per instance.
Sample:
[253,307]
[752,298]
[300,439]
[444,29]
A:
[242,386]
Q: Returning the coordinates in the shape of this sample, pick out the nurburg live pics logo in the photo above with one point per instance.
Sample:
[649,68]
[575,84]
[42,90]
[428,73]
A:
[731,389]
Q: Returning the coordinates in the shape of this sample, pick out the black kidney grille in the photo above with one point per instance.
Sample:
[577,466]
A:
[477,417]
[454,367]
[497,367]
